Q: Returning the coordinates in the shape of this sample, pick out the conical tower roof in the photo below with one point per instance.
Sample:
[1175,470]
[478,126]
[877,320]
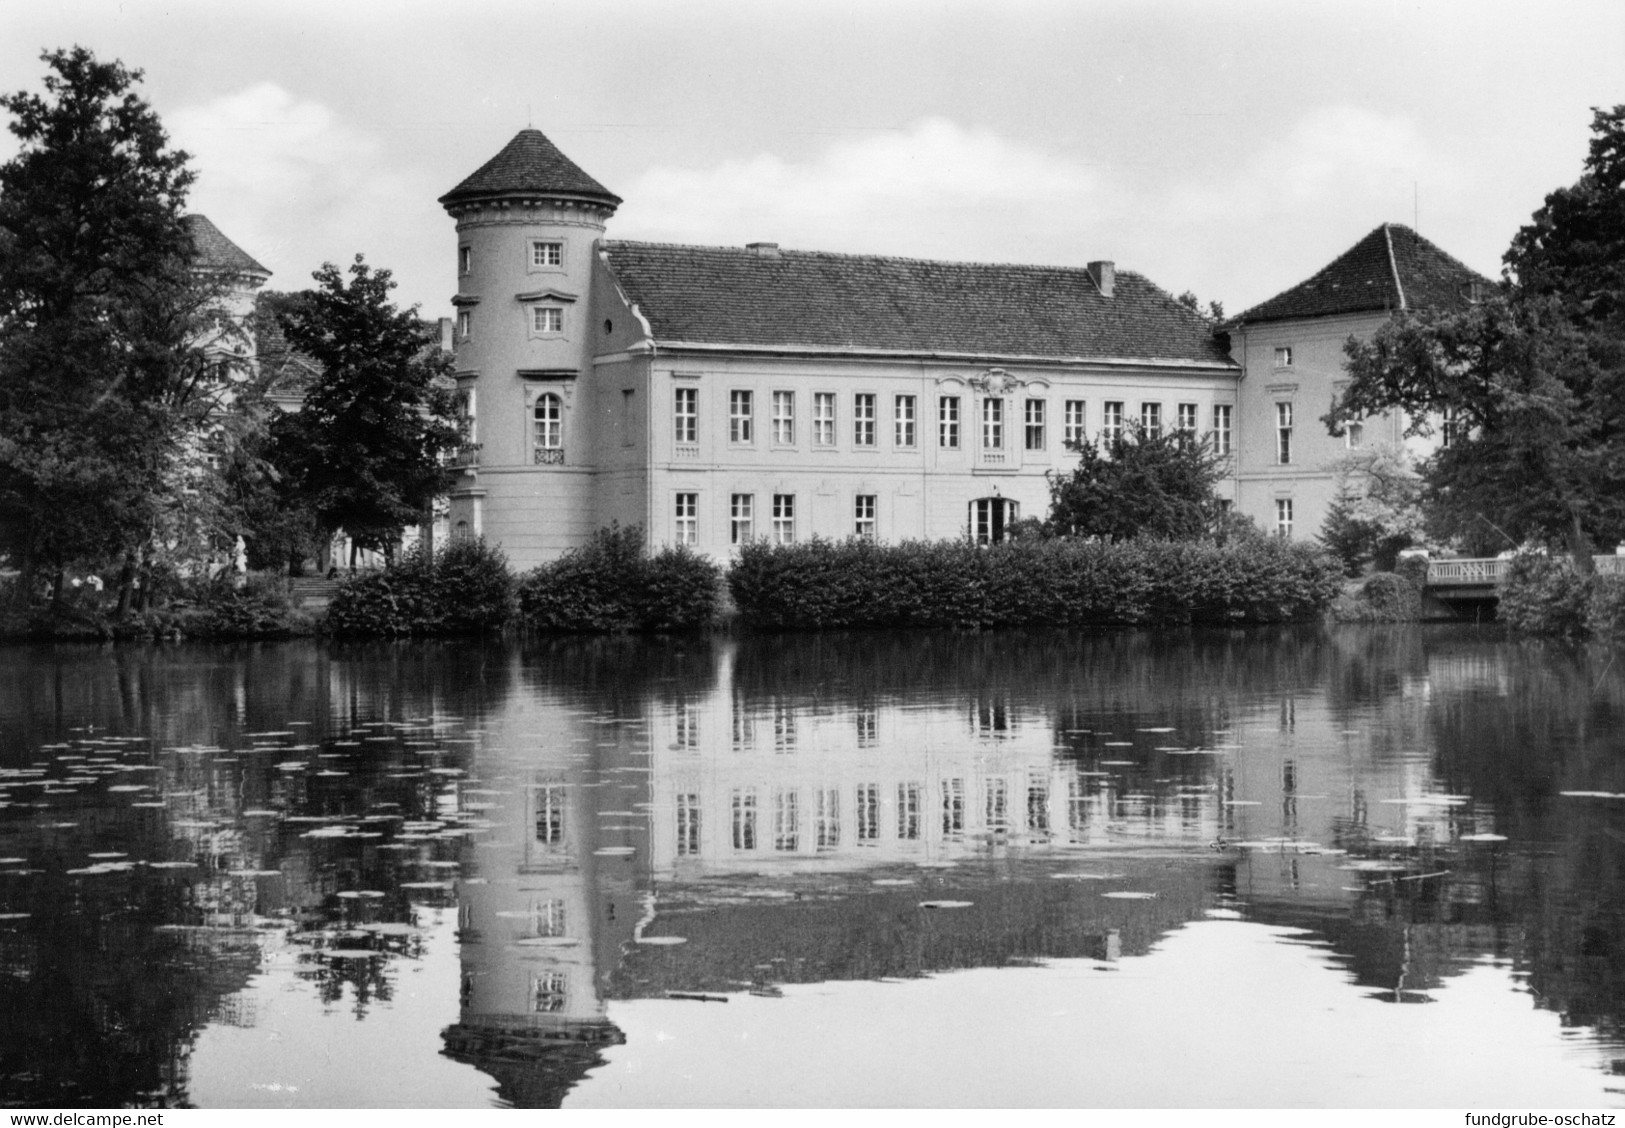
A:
[530,164]
[216,252]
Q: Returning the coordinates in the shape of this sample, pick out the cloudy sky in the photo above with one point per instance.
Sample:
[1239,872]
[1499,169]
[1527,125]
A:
[1230,148]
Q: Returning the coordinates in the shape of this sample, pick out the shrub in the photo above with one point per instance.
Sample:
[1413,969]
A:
[1384,597]
[1059,582]
[1540,595]
[610,585]
[257,609]
[464,588]
[1605,613]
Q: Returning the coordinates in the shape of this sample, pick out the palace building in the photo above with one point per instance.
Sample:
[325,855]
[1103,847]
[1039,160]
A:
[714,395]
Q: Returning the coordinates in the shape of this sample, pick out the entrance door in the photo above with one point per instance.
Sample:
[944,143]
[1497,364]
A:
[990,518]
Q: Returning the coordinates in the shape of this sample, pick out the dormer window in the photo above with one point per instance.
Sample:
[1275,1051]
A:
[546,253]
[547,319]
[1283,356]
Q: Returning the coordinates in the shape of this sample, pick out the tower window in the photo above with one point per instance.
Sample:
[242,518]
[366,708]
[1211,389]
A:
[548,319]
[546,252]
[465,260]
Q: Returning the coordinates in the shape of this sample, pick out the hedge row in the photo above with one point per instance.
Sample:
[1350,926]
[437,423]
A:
[610,585]
[464,588]
[824,584]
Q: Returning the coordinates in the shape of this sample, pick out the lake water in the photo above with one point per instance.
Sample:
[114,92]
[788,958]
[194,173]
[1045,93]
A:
[1350,867]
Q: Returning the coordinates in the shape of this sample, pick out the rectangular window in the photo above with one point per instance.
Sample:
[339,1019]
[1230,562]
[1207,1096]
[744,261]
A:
[465,324]
[741,417]
[1111,425]
[786,821]
[824,419]
[1283,518]
[993,423]
[547,918]
[548,319]
[948,422]
[1283,356]
[686,414]
[1221,429]
[1038,805]
[688,824]
[953,806]
[867,723]
[784,518]
[546,252]
[1033,425]
[744,818]
[1450,429]
[1074,424]
[1187,422]
[863,516]
[1354,436]
[908,811]
[784,418]
[868,812]
[863,419]
[687,516]
[741,518]
[688,725]
[827,819]
[467,421]
[1151,420]
[550,815]
[1283,433]
[465,260]
[996,805]
[904,434]
[548,992]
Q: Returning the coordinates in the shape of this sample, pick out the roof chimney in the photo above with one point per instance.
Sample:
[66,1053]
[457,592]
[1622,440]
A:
[763,250]
[1104,272]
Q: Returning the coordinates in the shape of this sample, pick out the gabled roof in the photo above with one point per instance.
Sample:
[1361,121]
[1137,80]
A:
[1392,268]
[216,252]
[530,164]
[808,299]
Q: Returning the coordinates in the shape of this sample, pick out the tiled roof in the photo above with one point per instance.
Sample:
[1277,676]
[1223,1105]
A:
[215,251]
[1391,268]
[808,299]
[530,163]
[284,371]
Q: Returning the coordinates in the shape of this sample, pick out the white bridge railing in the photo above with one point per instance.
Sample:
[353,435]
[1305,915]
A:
[1489,572]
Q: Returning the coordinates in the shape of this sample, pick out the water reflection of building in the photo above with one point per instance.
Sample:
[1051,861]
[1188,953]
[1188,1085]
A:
[548,899]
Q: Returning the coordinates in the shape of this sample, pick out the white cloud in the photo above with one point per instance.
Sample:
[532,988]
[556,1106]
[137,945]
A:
[294,185]
[1285,209]
[935,189]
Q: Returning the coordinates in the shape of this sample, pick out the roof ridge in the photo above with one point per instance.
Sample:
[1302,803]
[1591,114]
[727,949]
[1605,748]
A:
[745,250]
[1393,267]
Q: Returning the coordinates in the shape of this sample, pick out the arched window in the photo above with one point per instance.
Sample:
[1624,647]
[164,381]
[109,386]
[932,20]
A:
[547,430]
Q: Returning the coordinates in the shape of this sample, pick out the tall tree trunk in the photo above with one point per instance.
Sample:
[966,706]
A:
[1580,546]
[126,584]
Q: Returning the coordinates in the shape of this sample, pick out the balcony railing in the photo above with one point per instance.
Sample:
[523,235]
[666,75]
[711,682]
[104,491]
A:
[465,457]
[549,456]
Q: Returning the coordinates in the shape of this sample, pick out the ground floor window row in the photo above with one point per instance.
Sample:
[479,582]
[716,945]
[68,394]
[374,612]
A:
[780,518]
[819,819]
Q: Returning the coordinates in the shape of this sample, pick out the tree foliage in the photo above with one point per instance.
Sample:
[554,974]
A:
[1376,510]
[102,384]
[366,451]
[1137,484]
[1534,374]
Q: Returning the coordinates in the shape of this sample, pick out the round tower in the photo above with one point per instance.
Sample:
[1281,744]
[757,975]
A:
[528,223]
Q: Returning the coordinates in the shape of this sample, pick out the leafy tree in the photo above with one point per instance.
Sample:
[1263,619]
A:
[1138,484]
[1534,375]
[366,452]
[1213,311]
[1377,510]
[102,382]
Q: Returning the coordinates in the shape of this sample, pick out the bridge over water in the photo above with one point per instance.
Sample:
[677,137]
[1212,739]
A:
[1475,580]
